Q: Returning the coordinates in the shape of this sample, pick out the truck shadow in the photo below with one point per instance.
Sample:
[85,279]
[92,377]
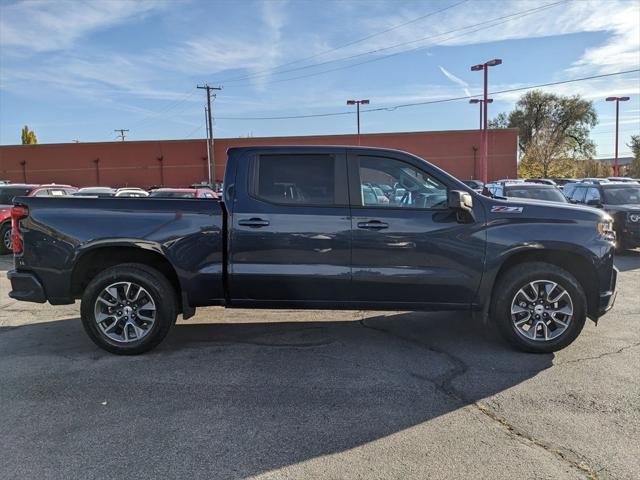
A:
[235,400]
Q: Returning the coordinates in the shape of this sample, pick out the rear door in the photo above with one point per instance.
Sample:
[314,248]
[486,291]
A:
[411,251]
[290,241]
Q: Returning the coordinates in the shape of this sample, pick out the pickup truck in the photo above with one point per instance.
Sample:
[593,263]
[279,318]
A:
[294,229]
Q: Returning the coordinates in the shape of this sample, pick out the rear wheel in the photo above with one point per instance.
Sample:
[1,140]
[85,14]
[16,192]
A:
[539,307]
[128,309]
[5,239]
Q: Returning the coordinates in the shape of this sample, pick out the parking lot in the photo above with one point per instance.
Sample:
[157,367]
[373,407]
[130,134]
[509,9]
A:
[285,394]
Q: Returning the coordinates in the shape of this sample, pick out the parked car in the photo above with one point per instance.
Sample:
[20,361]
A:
[183,193]
[537,269]
[594,181]
[131,192]
[100,192]
[7,194]
[476,185]
[622,179]
[542,181]
[561,182]
[533,191]
[621,200]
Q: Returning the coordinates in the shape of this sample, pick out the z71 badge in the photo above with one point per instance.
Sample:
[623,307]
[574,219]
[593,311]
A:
[506,209]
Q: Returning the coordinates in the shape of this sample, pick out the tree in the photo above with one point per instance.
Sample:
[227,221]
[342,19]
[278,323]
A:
[553,131]
[635,148]
[28,136]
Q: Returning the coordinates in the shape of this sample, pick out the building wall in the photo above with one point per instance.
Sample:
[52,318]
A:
[183,162]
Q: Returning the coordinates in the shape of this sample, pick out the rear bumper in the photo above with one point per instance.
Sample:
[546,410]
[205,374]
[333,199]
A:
[26,287]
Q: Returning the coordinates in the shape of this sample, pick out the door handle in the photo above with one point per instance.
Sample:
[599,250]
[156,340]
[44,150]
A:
[373,225]
[253,222]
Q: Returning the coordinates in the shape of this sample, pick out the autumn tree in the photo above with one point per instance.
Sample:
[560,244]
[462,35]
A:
[635,148]
[553,131]
[28,136]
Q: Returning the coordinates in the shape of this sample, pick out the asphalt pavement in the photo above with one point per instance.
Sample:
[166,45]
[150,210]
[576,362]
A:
[339,395]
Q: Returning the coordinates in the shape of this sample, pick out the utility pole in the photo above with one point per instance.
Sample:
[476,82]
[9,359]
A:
[122,135]
[358,103]
[212,160]
[206,122]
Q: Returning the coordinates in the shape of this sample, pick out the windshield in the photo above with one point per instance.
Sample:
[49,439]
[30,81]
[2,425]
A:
[548,194]
[7,194]
[173,194]
[622,195]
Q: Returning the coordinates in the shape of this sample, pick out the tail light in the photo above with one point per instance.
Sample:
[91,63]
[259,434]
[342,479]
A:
[17,212]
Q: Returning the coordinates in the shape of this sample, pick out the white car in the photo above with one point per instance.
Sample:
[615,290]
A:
[131,192]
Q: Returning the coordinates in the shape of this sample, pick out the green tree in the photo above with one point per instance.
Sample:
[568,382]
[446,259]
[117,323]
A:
[635,148]
[28,136]
[553,130]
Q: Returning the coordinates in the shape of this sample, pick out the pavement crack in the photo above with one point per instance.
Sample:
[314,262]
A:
[602,355]
[445,381]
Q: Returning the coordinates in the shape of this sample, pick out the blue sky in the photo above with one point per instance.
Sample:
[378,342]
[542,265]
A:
[78,70]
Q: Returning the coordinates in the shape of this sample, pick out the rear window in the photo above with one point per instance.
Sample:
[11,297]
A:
[7,194]
[295,179]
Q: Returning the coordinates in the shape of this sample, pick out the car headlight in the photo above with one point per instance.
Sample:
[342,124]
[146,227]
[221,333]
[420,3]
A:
[605,229]
[634,217]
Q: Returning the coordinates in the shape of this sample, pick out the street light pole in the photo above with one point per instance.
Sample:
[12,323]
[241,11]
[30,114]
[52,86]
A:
[484,157]
[617,100]
[481,102]
[358,103]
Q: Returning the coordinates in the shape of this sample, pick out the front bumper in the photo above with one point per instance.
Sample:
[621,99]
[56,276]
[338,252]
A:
[608,298]
[26,287]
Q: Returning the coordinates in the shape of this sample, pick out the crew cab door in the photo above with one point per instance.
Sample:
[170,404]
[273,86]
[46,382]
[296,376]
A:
[290,241]
[412,250]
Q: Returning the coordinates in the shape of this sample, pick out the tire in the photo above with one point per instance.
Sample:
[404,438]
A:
[544,334]
[129,325]
[5,230]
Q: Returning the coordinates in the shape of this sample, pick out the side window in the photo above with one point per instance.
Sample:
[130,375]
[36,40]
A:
[57,192]
[593,195]
[42,193]
[578,194]
[295,179]
[386,182]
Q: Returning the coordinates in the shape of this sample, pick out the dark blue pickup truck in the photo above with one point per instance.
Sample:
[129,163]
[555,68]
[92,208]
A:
[318,227]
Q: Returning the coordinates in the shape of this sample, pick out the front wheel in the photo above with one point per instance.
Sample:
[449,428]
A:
[539,307]
[128,309]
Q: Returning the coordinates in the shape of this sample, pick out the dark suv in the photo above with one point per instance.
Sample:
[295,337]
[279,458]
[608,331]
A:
[621,201]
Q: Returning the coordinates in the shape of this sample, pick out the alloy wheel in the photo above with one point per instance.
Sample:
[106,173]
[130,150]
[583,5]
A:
[6,240]
[125,312]
[541,310]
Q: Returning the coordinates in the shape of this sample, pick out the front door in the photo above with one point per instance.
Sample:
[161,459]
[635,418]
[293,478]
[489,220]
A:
[409,249]
[291,231]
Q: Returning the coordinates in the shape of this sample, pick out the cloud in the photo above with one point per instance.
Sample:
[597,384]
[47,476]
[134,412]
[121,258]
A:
[454,79]
[40,25]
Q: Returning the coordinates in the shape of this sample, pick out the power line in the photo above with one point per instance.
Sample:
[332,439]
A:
[348,44]
[430,102]
[478,27]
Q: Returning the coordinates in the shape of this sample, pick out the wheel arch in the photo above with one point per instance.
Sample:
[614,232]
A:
[575,263]
[93,260]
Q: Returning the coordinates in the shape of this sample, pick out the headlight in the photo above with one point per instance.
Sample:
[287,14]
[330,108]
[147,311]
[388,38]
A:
[634,217]
[605,229]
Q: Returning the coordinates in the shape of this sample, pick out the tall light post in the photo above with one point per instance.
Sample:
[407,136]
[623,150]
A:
[617,100]
[358,103]
[485,137]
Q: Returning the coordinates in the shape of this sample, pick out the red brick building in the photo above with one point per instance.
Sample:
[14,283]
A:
[183,162]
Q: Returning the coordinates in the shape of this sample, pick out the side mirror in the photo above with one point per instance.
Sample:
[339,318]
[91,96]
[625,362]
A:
[460,200]
[594,203]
